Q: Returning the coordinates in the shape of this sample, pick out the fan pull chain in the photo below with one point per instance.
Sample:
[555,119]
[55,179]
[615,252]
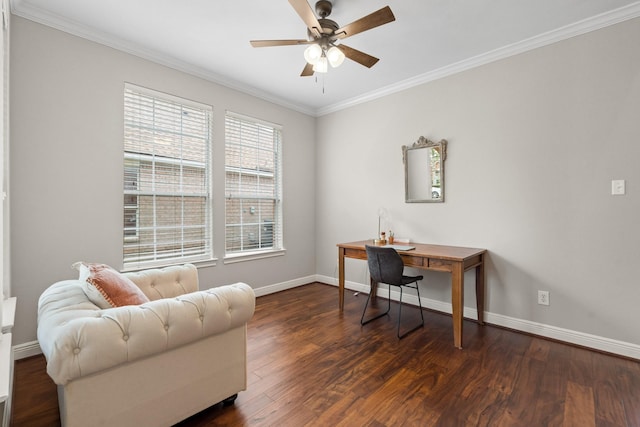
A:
[316,77]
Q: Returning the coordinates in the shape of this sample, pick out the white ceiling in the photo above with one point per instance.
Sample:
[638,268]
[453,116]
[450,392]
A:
[429,39]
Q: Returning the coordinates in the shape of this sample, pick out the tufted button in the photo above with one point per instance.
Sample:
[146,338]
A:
[166,327]
[125,337]
[153,285]
[76,350]
[201,317]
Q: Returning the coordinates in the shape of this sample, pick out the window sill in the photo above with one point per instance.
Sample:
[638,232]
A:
[8,314]
[250,256]
[199,264]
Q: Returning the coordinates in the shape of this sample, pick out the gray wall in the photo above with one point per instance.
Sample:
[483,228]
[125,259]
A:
[534,142]
[66,164]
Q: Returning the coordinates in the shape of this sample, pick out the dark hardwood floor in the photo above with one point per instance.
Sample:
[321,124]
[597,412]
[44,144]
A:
[310,366]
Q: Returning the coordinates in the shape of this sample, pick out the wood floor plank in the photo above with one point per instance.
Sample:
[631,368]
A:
[383,404]
[606,397]
[331,414]
[539,349]
[310,365]
[628,390]
[579,408]
[35,398]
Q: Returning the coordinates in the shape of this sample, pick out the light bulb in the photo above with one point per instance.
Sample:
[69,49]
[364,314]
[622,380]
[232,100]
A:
[312,53]
[321,65]
[335,56]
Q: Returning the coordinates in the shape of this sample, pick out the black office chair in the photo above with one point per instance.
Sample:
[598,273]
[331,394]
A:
[386,266]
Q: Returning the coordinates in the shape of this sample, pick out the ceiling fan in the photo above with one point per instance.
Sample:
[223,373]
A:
[324,35]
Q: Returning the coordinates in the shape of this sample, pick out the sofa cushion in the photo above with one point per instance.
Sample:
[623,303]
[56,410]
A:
[167,282]
[107,288]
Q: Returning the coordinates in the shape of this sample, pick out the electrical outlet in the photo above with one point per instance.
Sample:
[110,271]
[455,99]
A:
[618,187]
[543,297]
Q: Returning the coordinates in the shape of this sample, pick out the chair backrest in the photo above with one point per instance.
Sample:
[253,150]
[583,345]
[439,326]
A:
[385,265]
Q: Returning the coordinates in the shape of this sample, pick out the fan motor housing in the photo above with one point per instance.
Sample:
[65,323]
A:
[328,28]
[323,8]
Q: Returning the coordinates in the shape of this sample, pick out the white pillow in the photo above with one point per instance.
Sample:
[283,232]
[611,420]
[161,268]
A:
[106,287]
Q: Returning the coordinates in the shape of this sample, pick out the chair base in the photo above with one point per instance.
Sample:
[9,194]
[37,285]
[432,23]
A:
[398,334]
[364,322]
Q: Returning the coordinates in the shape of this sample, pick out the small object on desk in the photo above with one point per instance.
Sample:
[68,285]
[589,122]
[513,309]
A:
[400,247]
[382,240]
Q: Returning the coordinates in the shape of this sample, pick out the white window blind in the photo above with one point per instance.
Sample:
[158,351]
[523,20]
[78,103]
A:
[167,195]
[253,187]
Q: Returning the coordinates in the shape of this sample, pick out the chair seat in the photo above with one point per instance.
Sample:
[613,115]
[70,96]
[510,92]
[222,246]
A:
[410,279]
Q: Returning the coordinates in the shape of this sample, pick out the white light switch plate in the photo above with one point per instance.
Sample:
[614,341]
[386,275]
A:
[617,187]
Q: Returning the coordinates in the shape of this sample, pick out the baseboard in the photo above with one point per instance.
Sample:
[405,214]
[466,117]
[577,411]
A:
[278,287]
[28,349]
[582,339]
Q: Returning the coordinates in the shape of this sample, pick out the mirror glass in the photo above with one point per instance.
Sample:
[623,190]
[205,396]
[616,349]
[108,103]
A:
[424,171]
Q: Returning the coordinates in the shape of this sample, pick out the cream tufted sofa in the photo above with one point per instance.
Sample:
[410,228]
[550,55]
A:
[148,365]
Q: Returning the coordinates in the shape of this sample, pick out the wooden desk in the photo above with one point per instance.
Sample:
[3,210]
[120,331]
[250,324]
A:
[452,259]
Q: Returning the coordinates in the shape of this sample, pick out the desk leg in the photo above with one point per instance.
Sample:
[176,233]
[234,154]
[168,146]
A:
[480,291]
[457,302]
[341,278]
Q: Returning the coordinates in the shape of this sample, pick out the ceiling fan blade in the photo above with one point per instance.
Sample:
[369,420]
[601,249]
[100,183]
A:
[358,56]
[307,71]
[268,43]
[373,20]
[306,13]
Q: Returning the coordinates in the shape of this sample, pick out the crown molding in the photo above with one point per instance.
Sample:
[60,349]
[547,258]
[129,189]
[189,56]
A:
[572,30]
[24,10]
[20,8]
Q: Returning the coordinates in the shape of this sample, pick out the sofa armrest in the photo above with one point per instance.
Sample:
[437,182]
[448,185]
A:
[78,341]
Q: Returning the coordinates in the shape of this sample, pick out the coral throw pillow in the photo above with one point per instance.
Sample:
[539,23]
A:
[107,288]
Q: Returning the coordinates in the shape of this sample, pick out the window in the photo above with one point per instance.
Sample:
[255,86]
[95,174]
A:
[253,209]
[131,207]
[167,196]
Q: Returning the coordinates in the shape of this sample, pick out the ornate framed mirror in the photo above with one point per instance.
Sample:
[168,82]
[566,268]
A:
[424,171]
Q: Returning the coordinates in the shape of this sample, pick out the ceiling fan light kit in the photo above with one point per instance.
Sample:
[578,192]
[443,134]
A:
[312,54]
[335,56]
[323,34]
[318,57]
[321,65]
